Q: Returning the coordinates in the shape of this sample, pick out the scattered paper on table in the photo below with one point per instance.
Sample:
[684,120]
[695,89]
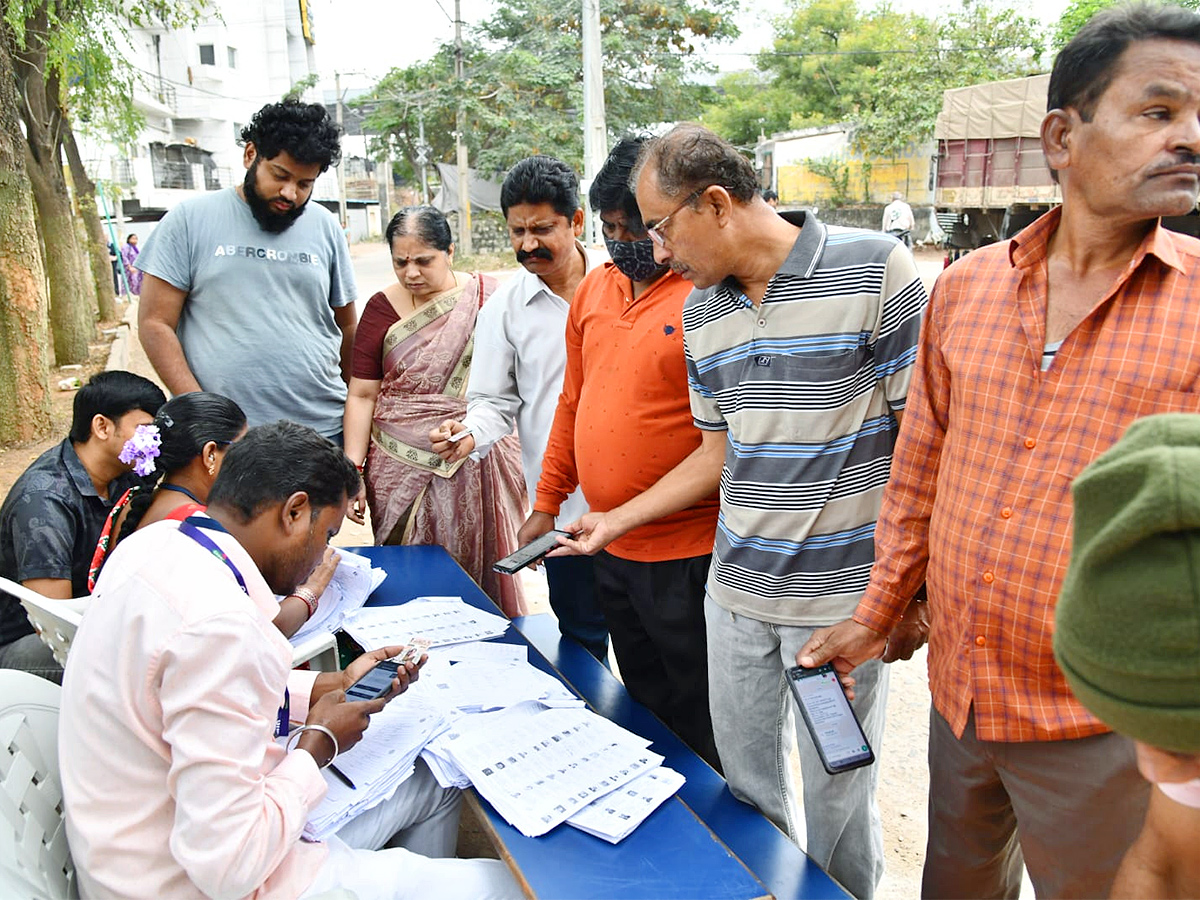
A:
[538,771]
[444,620]
[378,764]
[614,816]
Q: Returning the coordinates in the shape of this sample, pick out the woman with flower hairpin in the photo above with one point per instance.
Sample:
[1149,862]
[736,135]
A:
[182,450]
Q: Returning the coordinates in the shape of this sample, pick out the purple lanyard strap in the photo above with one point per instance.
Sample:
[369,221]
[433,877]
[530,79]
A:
[191,526]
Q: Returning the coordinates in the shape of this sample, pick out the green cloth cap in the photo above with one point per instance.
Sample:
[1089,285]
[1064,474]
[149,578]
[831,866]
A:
[1127,632]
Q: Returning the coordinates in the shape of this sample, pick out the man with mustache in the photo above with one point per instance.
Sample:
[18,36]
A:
[623,422]
[249,291]
[520,354]
[1036,354]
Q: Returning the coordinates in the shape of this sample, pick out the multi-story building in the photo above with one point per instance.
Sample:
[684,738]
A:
[197,89]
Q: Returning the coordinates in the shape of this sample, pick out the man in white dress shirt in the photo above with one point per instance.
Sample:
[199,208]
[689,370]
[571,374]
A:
[520,355]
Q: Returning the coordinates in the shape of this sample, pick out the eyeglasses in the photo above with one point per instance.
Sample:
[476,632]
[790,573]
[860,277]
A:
[656,230]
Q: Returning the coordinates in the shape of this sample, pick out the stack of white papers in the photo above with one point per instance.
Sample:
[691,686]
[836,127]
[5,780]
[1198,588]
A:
[488,651]
[474,686]
[539,768]
[377,765]
[353,581]
[443,620]
[614,817]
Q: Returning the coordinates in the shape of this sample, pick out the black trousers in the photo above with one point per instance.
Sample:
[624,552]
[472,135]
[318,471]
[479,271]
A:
[655,616]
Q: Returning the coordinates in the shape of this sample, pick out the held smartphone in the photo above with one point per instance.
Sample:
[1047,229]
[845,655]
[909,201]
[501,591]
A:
[830,718]
[378,681]
[530,553]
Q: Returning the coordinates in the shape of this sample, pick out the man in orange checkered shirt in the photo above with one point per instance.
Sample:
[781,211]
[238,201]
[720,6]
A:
[1035,355]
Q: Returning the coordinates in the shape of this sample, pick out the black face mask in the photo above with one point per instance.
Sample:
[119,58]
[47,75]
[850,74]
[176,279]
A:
[268,220]
[635,259]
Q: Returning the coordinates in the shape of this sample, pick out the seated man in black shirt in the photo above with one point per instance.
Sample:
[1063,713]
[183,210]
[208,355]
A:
[53,516]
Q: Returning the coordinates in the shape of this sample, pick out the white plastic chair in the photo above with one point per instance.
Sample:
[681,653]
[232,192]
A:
[34,859]
[55,620]
[319,651]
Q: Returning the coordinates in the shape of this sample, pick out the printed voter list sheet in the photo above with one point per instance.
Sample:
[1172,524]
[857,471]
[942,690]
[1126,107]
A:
[614,816]
[443,620]
[538,771]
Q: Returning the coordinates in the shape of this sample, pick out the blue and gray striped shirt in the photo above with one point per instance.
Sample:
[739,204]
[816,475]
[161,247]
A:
[806,385]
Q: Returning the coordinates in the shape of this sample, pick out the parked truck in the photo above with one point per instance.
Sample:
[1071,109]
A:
[992,179]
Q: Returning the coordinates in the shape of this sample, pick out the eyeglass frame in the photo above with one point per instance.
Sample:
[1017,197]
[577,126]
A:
[653,230]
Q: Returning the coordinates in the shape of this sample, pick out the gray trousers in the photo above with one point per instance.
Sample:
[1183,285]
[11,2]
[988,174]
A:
[755,725]
[30,654]
[1068,809]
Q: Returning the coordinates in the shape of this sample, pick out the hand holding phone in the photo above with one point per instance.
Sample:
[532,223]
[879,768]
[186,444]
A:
[530,553]
[378,682]
[830,718]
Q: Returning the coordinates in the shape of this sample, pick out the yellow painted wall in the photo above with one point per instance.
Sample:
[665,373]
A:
[798,184]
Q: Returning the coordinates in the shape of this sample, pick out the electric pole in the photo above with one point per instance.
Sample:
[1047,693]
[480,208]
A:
[422,152]
[460,147]
[595,131]
[343,220]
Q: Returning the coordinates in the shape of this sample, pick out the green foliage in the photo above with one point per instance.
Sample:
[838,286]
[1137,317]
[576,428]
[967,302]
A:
[1076,15]
[837,172]
[522,90]
[746,105]
[75,45]
[884,70]
[296,91]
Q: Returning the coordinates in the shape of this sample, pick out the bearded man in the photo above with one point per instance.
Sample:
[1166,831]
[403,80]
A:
[249,291]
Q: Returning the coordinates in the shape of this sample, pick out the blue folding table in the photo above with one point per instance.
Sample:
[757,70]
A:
[701,843]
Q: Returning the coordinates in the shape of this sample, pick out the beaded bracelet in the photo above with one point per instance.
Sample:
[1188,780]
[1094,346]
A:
[325,731]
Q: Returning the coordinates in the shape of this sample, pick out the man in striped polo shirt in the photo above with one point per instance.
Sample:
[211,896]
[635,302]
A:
[799,341]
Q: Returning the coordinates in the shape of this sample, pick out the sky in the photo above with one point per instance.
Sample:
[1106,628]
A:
[364,39]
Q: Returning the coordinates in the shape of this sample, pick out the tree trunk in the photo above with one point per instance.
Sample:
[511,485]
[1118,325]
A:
[24,363]
[97,241]
[72,322]
[72,298]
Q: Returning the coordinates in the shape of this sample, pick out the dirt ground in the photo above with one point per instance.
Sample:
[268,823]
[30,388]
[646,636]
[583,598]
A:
[15,458]
[903,775]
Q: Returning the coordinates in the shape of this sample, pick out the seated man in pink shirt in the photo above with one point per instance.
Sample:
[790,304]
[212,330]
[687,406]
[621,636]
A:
[178,683]
[1127,628]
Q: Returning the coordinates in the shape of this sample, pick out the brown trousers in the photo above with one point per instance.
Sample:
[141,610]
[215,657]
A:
[1068,809]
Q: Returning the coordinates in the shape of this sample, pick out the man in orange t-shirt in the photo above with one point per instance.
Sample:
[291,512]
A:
[624,421]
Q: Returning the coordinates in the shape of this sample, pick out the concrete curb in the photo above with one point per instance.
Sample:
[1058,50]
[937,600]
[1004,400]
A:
[118,351]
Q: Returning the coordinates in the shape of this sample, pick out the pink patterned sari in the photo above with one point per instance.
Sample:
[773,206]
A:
[473,509]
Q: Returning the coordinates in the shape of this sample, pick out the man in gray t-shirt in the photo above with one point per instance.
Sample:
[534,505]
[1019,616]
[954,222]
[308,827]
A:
[249,292]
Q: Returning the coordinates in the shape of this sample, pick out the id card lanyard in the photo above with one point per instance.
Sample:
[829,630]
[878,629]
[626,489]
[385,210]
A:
[191,526]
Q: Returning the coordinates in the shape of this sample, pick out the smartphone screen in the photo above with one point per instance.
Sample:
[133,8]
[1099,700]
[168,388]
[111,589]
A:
[375,683]
[830,718]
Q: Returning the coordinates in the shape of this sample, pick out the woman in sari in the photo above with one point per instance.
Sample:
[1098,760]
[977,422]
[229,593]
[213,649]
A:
[412,356]
[133,275]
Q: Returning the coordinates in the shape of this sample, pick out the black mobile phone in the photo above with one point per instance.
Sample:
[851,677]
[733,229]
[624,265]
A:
[376,683]
[530,553]
[830,719]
